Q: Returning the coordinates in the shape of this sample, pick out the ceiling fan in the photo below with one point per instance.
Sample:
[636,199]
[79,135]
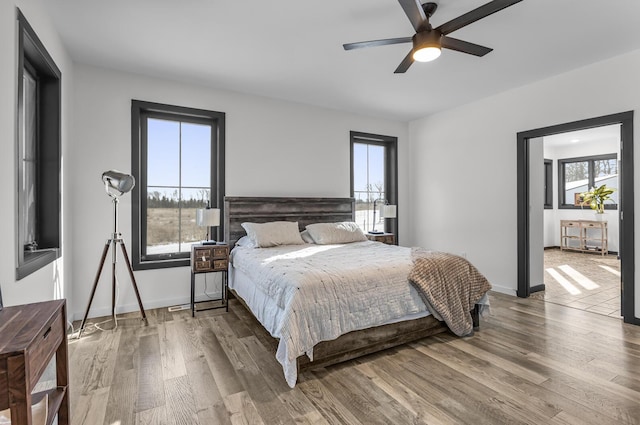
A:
[428,41]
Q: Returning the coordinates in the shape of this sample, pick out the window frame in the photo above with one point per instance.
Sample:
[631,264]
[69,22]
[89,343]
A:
[590,160]
[548,184]
[34,57]
[390,144]
[140,110]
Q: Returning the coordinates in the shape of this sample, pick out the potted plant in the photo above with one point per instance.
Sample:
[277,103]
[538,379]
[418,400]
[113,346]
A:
[596,197]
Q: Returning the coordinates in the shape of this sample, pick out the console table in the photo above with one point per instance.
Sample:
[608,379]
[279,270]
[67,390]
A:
[584,236]
[29,337]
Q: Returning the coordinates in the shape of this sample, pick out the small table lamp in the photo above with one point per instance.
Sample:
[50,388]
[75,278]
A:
[386,211]
[208,217]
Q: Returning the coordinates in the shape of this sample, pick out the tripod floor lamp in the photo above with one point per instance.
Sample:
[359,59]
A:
[116,184]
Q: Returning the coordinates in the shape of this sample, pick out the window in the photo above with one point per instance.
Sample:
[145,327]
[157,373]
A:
[548,184]
[178,162]
[577,175]
[38,153]
[374,177]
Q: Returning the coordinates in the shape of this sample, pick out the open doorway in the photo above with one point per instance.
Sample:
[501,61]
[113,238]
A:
[580,267]
[528,141]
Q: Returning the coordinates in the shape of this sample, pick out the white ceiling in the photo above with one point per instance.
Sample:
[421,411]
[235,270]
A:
[605,133]
[292,49]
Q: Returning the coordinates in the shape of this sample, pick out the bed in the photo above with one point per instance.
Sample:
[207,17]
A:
[374,307]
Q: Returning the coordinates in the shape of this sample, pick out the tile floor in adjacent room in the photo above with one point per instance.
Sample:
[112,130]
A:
[584,281]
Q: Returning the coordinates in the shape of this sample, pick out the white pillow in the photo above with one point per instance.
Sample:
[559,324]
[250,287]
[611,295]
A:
[275,233]
[334,233]
[246,242]
[306,236]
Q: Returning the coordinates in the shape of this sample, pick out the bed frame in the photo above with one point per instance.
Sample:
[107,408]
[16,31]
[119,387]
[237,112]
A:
[238,210]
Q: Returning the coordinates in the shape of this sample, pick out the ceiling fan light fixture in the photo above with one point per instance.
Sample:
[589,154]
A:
[426,46]
[427,54]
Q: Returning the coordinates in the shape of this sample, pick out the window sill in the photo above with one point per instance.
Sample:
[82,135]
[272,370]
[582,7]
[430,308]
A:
[161,264]
[34,261]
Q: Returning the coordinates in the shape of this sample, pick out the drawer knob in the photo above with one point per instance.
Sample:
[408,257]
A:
[46,334]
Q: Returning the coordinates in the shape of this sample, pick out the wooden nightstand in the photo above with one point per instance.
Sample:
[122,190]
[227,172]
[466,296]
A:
[30,335]
[388,238]
[209,259]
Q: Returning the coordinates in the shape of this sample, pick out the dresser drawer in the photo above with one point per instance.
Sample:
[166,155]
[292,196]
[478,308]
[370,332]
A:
[44,346]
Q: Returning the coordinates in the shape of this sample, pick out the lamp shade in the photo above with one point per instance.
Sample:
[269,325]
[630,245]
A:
[208,217]
[118,181]
[388,211]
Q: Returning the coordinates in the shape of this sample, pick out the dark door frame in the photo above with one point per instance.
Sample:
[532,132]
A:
[625,208]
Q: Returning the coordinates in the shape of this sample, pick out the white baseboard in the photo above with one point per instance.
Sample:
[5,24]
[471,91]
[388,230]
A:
[148,305]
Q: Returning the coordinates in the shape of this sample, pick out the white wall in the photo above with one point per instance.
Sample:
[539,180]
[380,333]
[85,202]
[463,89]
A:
[273,148]
[51,281]
[474,146]
[553,216]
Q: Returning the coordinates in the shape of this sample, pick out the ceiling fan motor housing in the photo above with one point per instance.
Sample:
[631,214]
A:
[426,39]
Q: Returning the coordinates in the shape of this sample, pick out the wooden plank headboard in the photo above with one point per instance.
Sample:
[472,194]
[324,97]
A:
[240,209]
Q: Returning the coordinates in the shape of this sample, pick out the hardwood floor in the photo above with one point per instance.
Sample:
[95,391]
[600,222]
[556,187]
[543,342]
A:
[531,363]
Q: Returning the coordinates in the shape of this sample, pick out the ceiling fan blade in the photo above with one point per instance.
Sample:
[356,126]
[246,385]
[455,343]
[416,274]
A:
[415,13]
[405,64]
[475,15]
[373,43]
[464,46]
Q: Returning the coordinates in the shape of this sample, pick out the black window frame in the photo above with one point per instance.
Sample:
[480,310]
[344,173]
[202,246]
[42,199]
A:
[390,144]
[548,184]
[140,110]
[590,160]
[34,58]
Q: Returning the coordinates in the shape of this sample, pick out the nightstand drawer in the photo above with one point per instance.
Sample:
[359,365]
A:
[219,265]
[200,265]
[220,252]
[44,346]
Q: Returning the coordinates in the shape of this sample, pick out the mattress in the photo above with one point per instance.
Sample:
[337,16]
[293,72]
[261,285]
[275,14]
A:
[305,294]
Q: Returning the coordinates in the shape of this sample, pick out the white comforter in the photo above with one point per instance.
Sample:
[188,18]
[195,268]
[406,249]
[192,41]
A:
[319,292]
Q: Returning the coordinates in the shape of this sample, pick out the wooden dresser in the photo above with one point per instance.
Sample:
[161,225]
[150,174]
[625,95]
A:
[29,337]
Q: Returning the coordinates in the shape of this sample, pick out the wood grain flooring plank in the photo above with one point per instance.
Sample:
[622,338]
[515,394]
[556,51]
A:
[173,364]
[241,410]
[387,406]
[405,396]
[226,338]
[225,376]
[150,383]
[180,407]
[294,400]
[480,402]
[155,416]
[499,381]
[265,400]
[208,401]
[239,327]
[122,398]
[91,408]
[332,409]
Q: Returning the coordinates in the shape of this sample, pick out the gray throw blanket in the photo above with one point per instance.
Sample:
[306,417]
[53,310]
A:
[449,285]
